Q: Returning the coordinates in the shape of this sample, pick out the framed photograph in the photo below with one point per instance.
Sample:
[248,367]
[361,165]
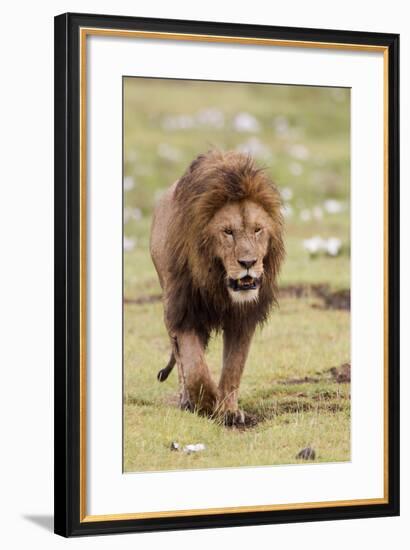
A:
[226,274]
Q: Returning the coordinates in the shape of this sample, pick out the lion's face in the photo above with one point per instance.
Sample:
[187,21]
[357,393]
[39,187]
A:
[241,233]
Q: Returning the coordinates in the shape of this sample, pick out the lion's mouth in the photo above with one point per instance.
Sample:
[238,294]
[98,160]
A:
[245,283]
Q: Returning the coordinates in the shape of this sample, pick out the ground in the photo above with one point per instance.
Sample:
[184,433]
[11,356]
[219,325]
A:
[302,136]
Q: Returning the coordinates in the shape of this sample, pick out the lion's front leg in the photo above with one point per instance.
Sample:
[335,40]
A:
[198,391]
[235,353]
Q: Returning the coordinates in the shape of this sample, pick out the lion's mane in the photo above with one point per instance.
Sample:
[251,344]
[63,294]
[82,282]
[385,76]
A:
[198,298]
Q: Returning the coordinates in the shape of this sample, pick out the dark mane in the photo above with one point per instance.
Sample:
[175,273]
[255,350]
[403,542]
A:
[198,300]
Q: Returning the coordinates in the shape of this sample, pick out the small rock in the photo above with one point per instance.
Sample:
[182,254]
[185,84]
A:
[174,446]
[198,447]
[307,454]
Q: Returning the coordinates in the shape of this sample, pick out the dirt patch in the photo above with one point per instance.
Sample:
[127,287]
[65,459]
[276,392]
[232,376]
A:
[296,291]
[341,374]
[293,406]
[339,299]
[137,401]
[285,406]
[334,300]
[325,395]
[296,381]
[140,300]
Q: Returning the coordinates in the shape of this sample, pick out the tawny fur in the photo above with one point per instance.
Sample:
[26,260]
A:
[193,276]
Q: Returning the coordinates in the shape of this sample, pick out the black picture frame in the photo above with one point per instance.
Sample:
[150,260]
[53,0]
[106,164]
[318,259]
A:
[67,276]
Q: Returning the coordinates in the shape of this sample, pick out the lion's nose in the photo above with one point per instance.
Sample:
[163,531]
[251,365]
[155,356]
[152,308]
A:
[247,263]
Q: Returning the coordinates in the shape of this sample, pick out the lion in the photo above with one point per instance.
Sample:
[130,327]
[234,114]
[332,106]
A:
[217,246]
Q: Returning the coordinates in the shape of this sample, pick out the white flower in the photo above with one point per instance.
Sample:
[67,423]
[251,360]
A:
[132,213]
[245,122]
[295,168]
[332,206]
[128,183]
[333,246]
[253,146]
[129,244]
[287,210]
[167,152]
[305,215]
[178,122]
[314,245]
[211,117]
[287,193]
[299,151]
[136,214]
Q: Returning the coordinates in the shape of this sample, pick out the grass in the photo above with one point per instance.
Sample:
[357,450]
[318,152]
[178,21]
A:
[303,140]
[299,340]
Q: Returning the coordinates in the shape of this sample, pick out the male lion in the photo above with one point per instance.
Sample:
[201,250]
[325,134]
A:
[216,243]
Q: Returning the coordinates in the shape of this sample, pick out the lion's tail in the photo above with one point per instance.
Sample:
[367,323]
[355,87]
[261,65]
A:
[164,373]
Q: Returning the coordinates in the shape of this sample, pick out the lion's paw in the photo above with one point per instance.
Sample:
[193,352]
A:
[238,419]
[186,405]
[234,418]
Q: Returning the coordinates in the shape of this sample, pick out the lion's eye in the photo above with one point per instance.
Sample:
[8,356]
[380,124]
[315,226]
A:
[228,231]
[258,230]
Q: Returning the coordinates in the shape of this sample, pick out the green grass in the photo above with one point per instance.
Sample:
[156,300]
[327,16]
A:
[300,340]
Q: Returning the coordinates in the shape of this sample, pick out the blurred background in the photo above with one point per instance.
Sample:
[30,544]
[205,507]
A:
[298,372]
[299,133]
